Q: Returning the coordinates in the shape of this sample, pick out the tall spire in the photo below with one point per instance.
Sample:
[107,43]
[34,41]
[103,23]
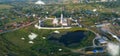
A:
[61,19]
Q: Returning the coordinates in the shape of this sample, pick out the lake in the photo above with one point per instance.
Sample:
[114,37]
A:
[69,38]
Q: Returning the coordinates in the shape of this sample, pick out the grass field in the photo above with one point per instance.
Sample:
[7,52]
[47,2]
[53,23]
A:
[13,45]
[2,6]
[117,9]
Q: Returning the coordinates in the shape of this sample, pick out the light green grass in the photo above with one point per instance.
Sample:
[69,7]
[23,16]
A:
[23,48]
[3,6]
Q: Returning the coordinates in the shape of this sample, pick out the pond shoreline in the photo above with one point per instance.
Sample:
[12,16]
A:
[70,37]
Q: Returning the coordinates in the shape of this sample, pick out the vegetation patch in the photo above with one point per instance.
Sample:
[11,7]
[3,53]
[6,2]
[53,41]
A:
[14,45]
[2,6]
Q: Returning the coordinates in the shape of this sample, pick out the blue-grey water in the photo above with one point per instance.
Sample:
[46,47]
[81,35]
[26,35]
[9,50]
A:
[70,38]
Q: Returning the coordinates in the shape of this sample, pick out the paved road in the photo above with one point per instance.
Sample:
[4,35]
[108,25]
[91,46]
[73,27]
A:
[97,36]
[114,36]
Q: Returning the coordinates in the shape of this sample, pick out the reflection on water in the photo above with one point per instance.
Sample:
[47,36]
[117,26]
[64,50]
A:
[70,38]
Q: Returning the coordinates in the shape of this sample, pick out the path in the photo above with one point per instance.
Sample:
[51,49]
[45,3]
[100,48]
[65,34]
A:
[51,27]
[18,28]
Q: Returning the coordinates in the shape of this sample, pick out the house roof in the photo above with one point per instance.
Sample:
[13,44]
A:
[102,40]
[40,2]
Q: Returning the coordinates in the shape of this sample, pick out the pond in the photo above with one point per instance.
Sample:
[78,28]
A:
[70,38]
